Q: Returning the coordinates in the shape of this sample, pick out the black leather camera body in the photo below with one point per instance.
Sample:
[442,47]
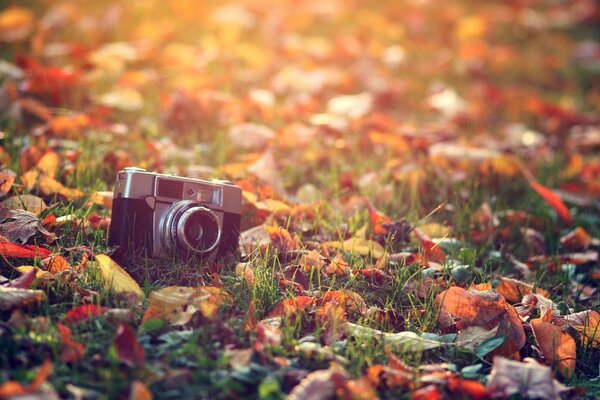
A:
[171,216]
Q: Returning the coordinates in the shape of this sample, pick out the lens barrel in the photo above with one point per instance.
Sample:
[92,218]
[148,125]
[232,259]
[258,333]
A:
[188,227]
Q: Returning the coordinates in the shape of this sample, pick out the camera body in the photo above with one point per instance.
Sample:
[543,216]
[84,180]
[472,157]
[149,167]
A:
[172,216]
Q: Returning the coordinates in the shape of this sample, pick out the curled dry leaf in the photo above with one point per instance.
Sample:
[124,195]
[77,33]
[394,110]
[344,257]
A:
[487,310]
[26,202]
[11,298]
[577,239]
[115,277]
[557,347]
[56,264]
[587,324]
[7,178]
[177,304]
[528,378]
[281,240]
[19,226]
[49,164]
[319,385]
[513,290]
[23,281]
[359,246]
[310,261]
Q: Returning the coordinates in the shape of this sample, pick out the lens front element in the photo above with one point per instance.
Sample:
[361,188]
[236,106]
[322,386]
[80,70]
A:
[189,228]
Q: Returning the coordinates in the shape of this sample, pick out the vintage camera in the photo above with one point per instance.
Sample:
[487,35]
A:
[168,215]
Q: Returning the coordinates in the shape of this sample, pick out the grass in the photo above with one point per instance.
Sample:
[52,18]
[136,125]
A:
[343,167]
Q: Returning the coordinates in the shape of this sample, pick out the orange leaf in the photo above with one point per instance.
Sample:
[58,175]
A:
[432,252]
[487,310]
[377,219]
[514,290]
[12,389]
[71,350]
[553,201]
[558,347]
[83,313]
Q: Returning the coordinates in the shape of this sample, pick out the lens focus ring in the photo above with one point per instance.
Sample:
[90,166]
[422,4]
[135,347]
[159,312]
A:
[188,227]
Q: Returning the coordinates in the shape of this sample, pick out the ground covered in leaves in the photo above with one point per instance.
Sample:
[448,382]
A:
[421,196]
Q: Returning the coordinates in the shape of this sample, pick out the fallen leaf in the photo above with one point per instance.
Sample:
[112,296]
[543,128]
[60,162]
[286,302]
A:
[408,340]
[311,260]
[127,347]
[115,277]
[513,290]
[528,378]
[250,136]
[26,202]
[23,281]
[177,304]
[484,309]
[281,239]
[577,239]
[139,391]
[16,297]
[361,247]
[83,313]
[12,389]
[554,201]
[7,178]
[471,337]
[430,249]
[49,164]
[587,324]
[102,198]
[319,385]
[557,347]
[19,225]
[70,350]
[10,250]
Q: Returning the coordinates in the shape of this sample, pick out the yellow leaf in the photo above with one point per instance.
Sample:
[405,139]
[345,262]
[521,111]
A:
[39,273]
[116,277]
[50,186]
[103,198]
[362,247]
[435,230]
[49,164]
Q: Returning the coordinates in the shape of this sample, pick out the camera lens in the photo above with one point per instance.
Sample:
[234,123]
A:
[189,228]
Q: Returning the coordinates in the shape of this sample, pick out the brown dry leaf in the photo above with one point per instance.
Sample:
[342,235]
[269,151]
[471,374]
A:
[587,324]
[319,385]
[311,260]
[18,226]
[338,266]
[281,240]
[14,297]
[557,347]
[513,290]
[26,202]
[177,304]
[487,310]
[116,278]
[49,186]
[243,270]
[7,178]
[577,239]
[470,338]
[49,164]
[332,317]
[56,264]
[528,378]
[16,24]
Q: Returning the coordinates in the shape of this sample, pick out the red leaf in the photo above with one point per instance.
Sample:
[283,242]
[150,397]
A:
[28,251]
[23,281]
[83,313]
[127,346]
[553,201]
[71,350]
[432,251]
[377,219]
